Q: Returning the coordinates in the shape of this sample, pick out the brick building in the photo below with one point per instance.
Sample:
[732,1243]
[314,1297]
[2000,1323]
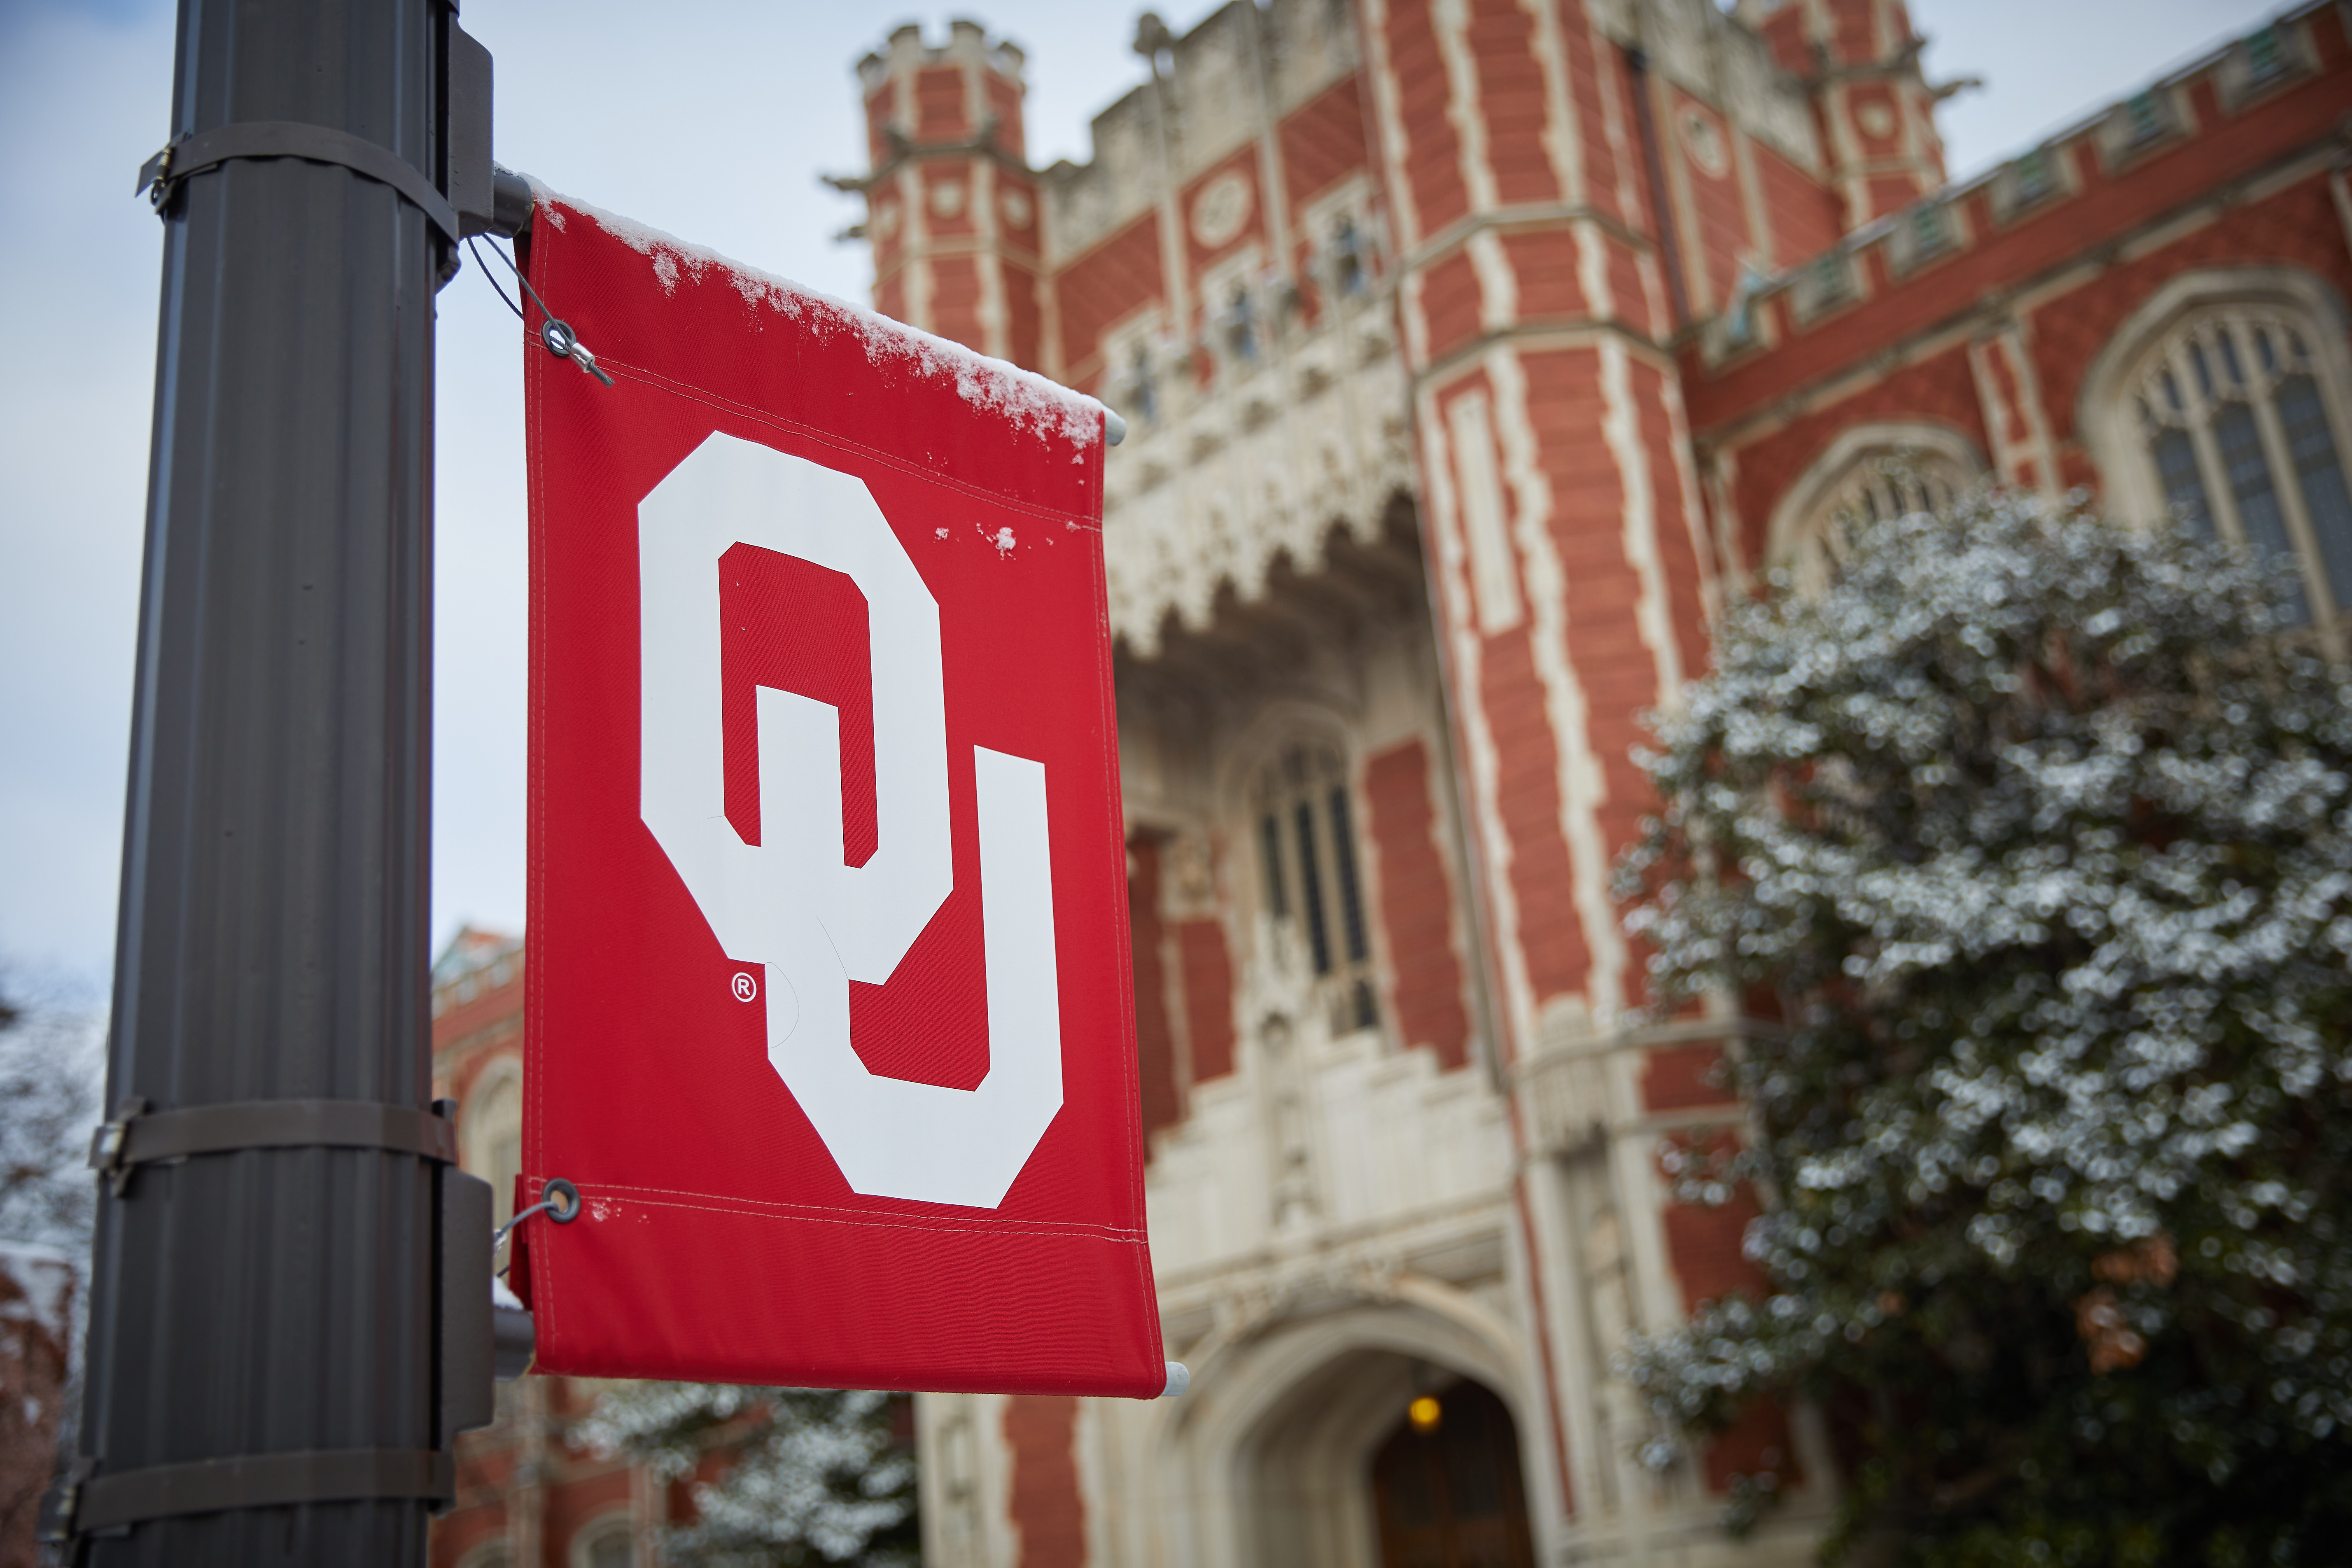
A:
[1474,353]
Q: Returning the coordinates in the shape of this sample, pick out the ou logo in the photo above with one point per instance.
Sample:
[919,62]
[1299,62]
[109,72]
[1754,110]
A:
[790,901]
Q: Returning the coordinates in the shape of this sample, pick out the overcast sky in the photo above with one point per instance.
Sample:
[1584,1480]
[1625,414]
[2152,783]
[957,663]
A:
[709,120]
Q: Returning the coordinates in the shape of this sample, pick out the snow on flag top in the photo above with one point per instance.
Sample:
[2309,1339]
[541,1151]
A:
[830,1021]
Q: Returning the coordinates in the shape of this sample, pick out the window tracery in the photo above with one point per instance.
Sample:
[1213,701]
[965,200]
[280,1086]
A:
[1305,829]
[2244,438]
[1871,475]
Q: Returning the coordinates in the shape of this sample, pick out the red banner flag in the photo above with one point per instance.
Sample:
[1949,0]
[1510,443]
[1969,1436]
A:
[830,1014]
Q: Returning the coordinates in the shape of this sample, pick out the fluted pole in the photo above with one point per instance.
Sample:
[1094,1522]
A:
[272,943]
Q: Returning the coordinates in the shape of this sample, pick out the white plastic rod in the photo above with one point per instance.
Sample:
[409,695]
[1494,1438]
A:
[1179,1380]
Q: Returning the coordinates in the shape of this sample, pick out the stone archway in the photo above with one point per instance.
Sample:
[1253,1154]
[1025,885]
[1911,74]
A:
[1305,1494]
[1281,1472]
[1331,1477]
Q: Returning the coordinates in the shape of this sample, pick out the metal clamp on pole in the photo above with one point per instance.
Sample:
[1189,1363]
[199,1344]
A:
[137,1136]
[87,1502]
[192,155]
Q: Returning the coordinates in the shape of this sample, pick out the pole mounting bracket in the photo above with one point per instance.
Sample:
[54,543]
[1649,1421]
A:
[137,1136]
[195,154]
[87,1503]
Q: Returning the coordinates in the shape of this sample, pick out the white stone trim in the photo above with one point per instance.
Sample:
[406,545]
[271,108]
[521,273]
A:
[1494,571]
[1563,143]
[1515,1022]
[1583,784]
[1620,429]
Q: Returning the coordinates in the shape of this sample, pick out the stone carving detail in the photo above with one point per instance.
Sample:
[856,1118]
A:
[1290,1155]
[1204,496]
[1608,1304]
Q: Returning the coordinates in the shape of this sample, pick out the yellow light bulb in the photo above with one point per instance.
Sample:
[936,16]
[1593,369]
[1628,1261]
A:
[1423,1413]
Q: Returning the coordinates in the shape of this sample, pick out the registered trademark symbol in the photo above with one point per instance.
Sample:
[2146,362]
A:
[745,987]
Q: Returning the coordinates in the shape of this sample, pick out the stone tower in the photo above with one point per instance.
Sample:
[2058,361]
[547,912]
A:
[952,210]
[1860,59]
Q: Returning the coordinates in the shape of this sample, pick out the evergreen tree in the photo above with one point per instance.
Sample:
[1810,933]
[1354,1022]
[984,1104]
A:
[806,1476]
[2031,837]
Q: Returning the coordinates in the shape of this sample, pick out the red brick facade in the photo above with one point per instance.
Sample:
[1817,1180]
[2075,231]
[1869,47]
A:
[1417,903]
[1048,1510]
[1155,1031]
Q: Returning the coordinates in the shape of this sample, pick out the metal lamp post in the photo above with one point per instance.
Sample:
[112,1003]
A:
[282,1340]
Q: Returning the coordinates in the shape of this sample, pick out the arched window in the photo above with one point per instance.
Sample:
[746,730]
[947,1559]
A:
[2245,440]
[1306,832]
[1870,473]
[2226,401]
[491,1122]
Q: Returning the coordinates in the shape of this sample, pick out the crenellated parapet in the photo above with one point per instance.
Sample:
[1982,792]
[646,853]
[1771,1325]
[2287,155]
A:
[1913,267]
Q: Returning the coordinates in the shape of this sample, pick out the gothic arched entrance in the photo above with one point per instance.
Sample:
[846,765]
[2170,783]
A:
[1278,1470]
[1445,1484]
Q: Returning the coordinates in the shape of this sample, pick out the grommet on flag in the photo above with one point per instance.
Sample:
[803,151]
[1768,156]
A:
[561,1203]
[561,340]
[564,343]
[204,149]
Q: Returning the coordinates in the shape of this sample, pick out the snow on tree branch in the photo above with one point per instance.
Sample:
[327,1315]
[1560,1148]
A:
[802,1476]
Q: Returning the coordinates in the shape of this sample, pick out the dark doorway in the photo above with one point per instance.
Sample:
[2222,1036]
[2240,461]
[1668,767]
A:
[1448,1490]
